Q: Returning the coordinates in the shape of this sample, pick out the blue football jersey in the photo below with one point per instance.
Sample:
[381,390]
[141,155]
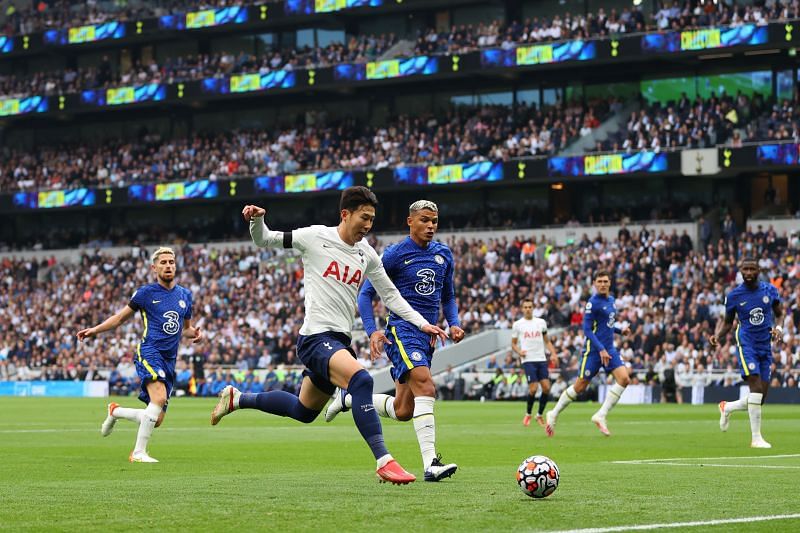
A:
[163,312]
[598,323]
[753,308]
[424,277]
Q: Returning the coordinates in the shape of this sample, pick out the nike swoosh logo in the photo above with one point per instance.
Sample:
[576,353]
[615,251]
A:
[408,261]
[326,246]
[156,301]
[743,303]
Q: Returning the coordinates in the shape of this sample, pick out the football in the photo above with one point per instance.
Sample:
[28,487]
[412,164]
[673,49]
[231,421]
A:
[537,476]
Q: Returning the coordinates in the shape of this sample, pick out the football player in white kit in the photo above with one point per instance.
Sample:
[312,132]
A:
[336,260]
[528,341]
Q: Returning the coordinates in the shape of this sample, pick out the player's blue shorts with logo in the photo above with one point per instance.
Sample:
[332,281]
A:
[315,351]
[755,358]
[591,363]
[410,348]
[155,365]
[536,371]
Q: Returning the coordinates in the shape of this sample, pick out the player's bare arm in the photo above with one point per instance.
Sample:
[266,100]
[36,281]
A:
[605,357]
[376,343]
[515,348]
[777,330]
[192,332]
[457,334]
[552,349]
[108,324]
[723,328]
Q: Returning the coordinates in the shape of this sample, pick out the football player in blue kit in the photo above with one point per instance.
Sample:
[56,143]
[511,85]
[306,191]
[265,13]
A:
[599,329]
[757,306]
[422,270]
[166,310]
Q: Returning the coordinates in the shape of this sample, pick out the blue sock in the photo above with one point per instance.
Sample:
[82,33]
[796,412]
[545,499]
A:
[364,414]
[279,403]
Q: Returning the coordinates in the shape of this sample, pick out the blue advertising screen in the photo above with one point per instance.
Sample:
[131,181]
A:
[777,154]
[598,165]
[704,39]
[449,174]
[309,182]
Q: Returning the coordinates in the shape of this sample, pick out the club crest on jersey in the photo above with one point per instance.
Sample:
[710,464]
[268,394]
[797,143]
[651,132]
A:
[161,374]
[416,356]
[439,259]
[751,366]
[182,304]
[344,276]
[765,299]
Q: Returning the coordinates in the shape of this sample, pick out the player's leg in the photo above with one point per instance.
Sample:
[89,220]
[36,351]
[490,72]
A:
[533,383]
[421,386]
[304,408]
[345,372]
[590,364]
[621,381]
[153,415]
[543,399]
[759,386]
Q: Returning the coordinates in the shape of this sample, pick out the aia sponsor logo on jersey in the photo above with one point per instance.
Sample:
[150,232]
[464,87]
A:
[334,270]
[531,334]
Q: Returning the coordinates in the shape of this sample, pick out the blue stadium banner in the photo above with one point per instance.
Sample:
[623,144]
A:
[6,44]
[172,191]
[243,83]
[778,154]
[607,164]
[22,106]
[389,69]
[94,389]
[55,199]
[86,34]
[486,171]
[135,94]
[307,182]
[309,7]
[206,18]
[539,54]
[704,39]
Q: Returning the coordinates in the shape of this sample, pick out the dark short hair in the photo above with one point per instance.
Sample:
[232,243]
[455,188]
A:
[355,197]
[749,259]
[527,300]
[602,274]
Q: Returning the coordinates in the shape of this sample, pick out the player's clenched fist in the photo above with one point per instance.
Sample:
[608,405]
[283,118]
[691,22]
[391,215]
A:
[253,211]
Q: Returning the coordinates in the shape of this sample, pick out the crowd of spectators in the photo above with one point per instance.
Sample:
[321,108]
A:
[249,303]
[459,39]
[194,67]
[675,15]
[462,134]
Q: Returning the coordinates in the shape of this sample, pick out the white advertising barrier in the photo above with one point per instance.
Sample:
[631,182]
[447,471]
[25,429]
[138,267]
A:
[84,389]
[634,394]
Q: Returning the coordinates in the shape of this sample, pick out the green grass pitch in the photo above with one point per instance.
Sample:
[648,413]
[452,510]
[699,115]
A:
[260,472]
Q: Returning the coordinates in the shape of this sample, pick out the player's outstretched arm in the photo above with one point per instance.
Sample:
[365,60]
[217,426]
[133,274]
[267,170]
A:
[377,338]
[262,236]
[110,323]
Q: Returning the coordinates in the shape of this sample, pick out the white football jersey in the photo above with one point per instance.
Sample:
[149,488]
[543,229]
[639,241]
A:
[530,336]
[333,274]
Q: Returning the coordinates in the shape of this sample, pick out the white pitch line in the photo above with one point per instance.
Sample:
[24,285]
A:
[650,461]
[776,467]
[698,523]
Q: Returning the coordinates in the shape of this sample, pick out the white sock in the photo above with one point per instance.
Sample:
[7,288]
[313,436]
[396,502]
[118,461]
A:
[149,419]
[348,401]
[425,427]
[738,405]
[383,459]
[384,404]
[567,397]
[134,415]
[612,397]
[754,408]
